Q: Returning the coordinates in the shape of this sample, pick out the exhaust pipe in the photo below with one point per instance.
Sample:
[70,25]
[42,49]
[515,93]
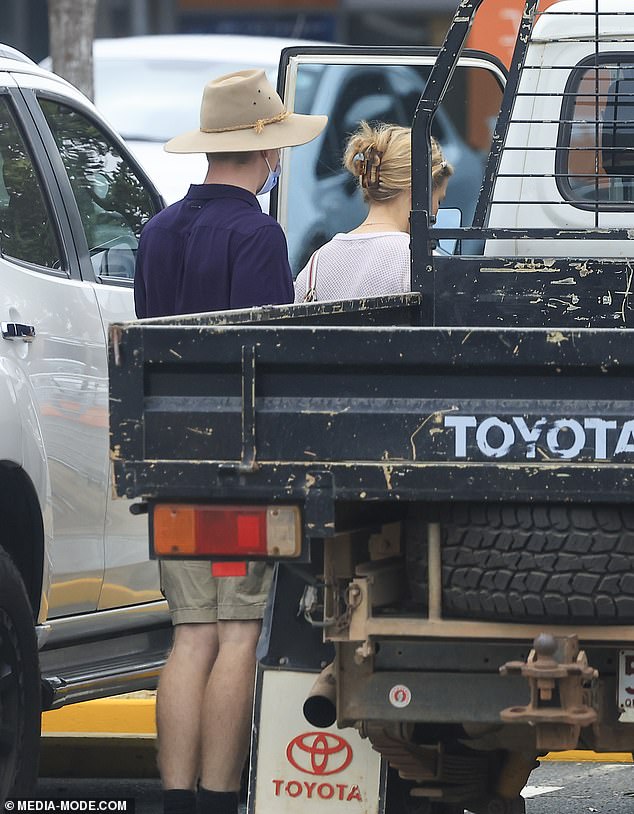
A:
[320,706]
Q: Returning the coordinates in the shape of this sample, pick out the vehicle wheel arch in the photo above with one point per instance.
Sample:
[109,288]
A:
[22,535]
[20,690]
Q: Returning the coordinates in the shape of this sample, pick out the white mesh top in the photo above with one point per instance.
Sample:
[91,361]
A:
[359,265]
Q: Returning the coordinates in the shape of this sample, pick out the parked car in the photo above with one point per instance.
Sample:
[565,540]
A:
[81,613]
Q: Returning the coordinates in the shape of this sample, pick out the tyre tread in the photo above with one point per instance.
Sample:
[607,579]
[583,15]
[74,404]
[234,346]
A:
[532,563]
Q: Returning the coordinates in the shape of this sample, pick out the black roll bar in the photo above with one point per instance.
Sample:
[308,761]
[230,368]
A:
[422,264]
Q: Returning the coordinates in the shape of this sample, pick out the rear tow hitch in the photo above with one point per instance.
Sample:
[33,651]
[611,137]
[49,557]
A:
[560,682]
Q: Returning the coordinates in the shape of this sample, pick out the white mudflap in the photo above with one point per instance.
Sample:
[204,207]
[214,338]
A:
[296,767]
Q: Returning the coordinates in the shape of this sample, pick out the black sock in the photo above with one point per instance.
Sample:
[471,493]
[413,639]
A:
[216,802]
[179,801]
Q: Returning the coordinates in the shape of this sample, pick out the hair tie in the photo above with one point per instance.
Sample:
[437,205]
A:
[371,177]
[360,158]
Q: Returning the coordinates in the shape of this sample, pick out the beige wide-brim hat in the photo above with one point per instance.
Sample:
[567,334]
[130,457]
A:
[240,112]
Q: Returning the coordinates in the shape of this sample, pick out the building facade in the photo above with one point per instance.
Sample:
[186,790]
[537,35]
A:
[23,23]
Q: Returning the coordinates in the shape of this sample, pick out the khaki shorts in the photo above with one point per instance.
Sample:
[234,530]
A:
[194,595]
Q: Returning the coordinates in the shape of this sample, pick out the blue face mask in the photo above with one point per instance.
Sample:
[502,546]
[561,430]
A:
[271,179]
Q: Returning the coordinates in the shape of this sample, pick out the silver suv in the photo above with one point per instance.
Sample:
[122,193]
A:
[81,613]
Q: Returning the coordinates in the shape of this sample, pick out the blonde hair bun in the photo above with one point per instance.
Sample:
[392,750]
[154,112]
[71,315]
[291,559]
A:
[380,156]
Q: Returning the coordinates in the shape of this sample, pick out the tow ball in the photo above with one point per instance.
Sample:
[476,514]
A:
[560,682]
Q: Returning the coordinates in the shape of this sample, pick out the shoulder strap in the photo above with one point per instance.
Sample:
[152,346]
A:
[311,279]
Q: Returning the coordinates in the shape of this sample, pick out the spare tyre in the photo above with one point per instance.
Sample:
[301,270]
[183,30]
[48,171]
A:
[522,562]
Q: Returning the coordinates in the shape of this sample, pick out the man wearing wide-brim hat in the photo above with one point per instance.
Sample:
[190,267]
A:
[215,249]
[241,260]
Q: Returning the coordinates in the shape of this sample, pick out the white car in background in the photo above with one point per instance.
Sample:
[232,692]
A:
[150,89]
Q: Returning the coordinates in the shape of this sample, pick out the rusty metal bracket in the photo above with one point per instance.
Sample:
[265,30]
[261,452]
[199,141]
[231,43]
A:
[386,581]
[559,676]
[376,584]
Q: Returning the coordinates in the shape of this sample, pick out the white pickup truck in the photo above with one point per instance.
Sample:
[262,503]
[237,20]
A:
[76,583]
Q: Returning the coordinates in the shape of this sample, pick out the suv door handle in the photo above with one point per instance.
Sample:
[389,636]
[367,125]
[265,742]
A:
[16,330]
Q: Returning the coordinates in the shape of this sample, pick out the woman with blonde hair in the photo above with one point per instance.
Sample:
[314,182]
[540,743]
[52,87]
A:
[374,257]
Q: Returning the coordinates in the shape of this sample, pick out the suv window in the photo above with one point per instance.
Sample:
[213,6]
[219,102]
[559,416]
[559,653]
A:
[595,157]
[26,230]
[114,204]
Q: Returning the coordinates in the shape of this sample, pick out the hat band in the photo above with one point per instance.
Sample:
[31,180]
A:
[258,126]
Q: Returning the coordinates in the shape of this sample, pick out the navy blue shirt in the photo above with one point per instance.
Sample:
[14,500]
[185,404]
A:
[213,250]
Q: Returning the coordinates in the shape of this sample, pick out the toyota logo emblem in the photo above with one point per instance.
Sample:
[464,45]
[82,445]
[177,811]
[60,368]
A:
[319,753]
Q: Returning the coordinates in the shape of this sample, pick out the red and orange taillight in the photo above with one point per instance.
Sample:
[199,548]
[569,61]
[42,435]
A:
[187,530]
